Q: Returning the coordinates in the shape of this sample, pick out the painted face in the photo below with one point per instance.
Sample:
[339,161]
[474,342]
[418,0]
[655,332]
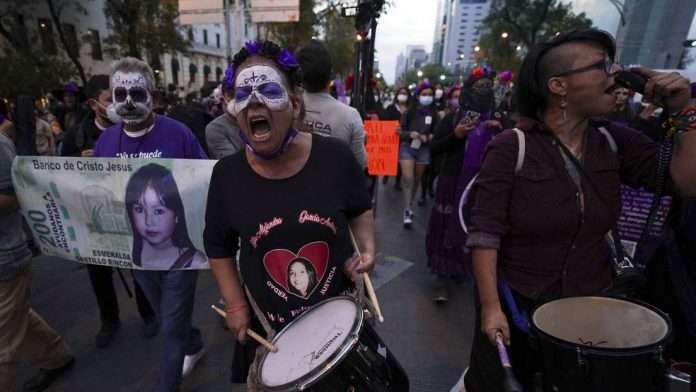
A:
[131,96]
[153,220]
[621,95]
[265,84]
[299,277]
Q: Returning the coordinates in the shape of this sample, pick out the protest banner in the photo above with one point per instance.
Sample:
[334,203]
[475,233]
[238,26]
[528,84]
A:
[636,205]
[382,147]
[99,210]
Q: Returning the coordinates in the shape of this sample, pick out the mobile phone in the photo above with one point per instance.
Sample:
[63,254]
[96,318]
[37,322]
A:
[631,80]
[471,117]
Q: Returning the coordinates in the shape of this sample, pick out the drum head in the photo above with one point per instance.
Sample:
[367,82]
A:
[308,342]
[601,322]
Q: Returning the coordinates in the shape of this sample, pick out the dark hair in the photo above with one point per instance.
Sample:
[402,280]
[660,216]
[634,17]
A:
[315,62]
[311,275]
[162,181]
[543,62]
[269,50]
[4,110]
[95,85]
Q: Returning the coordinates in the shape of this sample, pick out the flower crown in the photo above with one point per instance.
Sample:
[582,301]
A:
[481,72]
[284,57]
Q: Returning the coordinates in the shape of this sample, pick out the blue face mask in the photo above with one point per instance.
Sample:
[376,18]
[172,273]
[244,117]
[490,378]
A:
[425,100]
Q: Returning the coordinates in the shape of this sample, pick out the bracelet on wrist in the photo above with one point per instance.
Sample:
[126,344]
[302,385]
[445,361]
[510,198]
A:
[681,121]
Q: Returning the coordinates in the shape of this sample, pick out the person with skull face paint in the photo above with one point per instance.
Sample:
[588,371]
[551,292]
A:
[461,137]
[287,192]
[144,134]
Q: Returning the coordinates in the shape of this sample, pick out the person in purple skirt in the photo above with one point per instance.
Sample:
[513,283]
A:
[461,137]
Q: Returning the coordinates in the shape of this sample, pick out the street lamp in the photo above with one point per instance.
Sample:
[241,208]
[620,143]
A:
[504,35]
[443,77]
[519,48]
[476,49]
[378,75]
[419,73]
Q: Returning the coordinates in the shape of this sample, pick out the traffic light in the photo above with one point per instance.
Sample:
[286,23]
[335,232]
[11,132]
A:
[690,43]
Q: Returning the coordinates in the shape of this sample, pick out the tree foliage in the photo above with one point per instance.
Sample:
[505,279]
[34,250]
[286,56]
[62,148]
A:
[432,72]
[339,38]
[292,34]
[28,68]
[526,22]
[141,27]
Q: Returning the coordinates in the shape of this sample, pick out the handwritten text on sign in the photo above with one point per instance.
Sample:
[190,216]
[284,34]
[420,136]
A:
[382,147]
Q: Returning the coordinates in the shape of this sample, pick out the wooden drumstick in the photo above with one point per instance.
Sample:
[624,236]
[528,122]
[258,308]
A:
[250,332]
[368,282]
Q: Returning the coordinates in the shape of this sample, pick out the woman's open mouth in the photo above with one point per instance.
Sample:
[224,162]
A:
[260,129]
[151,234]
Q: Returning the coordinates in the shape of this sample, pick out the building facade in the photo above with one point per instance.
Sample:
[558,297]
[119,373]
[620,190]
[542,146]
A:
[654,32]
[86,27]
[458,27]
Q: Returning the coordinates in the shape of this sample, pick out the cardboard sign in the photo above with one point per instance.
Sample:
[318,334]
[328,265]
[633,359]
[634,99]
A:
[382,147]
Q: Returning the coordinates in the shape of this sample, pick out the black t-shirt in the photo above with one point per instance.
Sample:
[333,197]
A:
[293,231]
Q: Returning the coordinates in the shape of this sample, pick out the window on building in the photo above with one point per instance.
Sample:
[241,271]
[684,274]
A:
[218,74]
[95,43]
[478,14]
[71,39]
[206,73]
[175,70]
[205,37]
[48,41]
[217,39]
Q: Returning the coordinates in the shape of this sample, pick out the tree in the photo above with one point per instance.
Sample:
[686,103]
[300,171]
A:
[31,70]
[525,23]
[292,34]
[432,72]
[144,26]
[339,38]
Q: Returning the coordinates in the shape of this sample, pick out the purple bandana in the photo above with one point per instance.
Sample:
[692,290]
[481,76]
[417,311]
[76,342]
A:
[292,133]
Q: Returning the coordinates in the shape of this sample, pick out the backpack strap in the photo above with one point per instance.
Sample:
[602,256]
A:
[610,139]
[520,150]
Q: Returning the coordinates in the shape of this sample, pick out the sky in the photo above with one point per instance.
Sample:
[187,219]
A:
[412,22]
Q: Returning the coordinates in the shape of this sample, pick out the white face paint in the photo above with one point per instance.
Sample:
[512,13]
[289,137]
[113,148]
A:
[131,97]
[263,82]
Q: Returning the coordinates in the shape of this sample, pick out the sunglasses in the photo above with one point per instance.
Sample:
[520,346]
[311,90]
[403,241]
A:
[606,64]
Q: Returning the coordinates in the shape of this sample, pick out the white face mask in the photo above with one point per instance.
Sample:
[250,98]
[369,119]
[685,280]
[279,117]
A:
[402,98]
[109,113]
[263,82]
[425,100]
[438,93]
[131,96]
[376,97]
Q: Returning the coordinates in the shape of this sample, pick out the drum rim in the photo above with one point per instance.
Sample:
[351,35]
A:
[657,346]
[330,363]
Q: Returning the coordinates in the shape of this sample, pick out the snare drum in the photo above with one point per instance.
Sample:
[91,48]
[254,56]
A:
[329,348]
[602,344]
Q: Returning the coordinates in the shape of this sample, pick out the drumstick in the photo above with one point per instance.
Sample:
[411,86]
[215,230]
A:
[368,283]
[250,332]
[510,383]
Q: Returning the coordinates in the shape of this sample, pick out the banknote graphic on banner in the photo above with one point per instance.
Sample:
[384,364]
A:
[128,213]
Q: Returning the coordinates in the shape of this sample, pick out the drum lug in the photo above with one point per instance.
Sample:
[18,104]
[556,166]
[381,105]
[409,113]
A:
[582,362]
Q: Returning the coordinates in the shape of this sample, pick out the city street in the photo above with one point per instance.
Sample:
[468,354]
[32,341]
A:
[430,341]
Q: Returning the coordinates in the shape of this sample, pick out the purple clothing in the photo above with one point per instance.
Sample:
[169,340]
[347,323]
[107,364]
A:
[167,139]
[534,214]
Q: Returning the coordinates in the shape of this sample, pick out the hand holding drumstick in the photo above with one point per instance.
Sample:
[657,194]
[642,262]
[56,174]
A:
[250,332]
[368,283]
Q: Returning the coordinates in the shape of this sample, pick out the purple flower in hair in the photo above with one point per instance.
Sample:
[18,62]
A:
[70,87]
[287,60]
[229,77]
[252,47]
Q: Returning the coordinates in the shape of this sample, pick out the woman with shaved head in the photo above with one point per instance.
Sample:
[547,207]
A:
[539,220]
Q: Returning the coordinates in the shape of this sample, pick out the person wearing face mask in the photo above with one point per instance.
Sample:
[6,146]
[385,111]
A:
[399,105]
[417,125]
[80,139]
[144,134]
[460,138]
[439,97]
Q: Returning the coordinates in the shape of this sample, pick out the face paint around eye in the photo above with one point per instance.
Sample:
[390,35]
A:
[263,82]
[132,99]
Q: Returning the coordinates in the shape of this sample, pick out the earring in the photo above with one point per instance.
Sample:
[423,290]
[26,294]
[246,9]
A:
[564,106]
